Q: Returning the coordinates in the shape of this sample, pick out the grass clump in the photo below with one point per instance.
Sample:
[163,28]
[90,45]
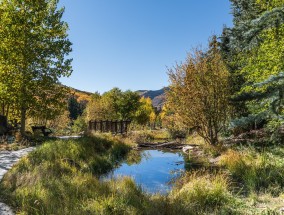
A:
[258,172]
[204,193]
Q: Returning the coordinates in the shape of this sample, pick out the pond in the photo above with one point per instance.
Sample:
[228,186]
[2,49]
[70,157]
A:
[153,170]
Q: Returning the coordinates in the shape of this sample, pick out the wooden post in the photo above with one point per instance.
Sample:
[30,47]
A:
[95,125]
[107,126]
[115,126]
[111,126]
[121,126]
[104,126]
[101,126]
[126,125]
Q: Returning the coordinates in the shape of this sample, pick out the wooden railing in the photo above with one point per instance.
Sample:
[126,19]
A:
[109,126]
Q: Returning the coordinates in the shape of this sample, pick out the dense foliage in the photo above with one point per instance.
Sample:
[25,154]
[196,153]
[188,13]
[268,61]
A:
[253,49]
[198,92]
[33,50]
[118,105]
[251,63]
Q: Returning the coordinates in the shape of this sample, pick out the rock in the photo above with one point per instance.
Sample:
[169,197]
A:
[186,149]
[5,210]
[214,160]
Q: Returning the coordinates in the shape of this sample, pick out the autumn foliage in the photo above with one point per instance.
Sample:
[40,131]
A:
[198,95]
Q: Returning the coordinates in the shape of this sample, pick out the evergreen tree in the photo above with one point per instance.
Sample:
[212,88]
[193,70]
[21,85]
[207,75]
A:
[75,108]
[254,49]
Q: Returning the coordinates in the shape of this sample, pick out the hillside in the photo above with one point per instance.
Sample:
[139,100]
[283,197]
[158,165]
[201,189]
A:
[82,96]
[158,96]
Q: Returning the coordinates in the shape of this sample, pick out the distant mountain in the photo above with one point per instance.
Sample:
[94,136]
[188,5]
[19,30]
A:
[158,96]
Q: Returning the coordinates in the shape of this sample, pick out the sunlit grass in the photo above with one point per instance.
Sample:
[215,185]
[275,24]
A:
[261,172]
[62,177]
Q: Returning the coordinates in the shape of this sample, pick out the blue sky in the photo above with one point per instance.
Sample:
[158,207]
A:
[130,43]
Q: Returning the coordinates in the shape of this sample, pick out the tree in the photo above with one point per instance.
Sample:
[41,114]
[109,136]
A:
[33,50]
[99,109]
[256,41]
[128,104]
[113,105]
[75,108]
[243,11]
[198,94]
[145,112]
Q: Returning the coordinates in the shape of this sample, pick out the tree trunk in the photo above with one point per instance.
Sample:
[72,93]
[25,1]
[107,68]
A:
[23,121]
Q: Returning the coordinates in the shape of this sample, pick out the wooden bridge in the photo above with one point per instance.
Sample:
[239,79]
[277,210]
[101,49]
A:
[109,126]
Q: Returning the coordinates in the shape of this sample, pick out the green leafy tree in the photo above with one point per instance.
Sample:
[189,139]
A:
[113,105]
[128,105]
[33,50]
[243,11]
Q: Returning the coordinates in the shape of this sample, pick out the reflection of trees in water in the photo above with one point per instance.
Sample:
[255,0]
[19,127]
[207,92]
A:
[180,170]
[187,161]
[135,157]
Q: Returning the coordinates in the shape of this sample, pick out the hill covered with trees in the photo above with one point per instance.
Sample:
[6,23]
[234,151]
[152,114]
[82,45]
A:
[158,97]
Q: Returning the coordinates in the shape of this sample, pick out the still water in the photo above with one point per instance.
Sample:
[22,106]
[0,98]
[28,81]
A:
[153,170]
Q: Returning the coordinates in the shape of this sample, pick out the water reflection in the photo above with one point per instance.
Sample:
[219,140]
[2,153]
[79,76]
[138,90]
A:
[153,170]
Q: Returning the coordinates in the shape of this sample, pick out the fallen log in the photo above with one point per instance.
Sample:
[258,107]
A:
[170,145]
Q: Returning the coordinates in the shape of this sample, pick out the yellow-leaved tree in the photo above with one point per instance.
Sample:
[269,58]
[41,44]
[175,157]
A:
[198,94]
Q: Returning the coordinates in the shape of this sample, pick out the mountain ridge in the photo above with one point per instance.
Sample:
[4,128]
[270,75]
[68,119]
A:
[158,97]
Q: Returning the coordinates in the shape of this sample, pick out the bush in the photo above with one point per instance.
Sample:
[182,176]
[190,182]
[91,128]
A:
[79,125]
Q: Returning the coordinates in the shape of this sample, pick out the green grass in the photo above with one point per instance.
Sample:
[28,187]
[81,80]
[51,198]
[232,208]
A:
[145,136]
[201,192]
[62,177]
[257,171]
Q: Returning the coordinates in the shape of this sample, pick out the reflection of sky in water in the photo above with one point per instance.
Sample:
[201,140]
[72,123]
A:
[154,172]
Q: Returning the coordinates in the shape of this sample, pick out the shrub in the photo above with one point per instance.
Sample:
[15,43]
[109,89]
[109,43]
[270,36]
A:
[204,193]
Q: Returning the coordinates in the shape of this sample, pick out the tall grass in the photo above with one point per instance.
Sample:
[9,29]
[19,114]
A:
[257,171]
[62,177]
[204,193]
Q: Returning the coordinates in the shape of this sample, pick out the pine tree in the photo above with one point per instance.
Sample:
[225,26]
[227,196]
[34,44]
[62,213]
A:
[253,49]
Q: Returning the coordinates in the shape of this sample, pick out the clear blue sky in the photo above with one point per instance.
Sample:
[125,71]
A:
[130,43]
